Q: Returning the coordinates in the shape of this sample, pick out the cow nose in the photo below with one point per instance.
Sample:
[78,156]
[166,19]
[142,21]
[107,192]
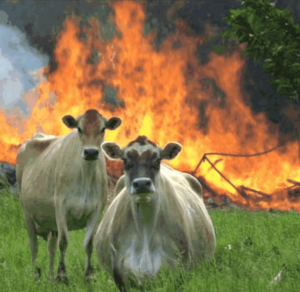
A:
[142,185]
[90,153]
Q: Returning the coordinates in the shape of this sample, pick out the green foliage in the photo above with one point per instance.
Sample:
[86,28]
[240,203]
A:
[272,34]
[219,49]
[251,250]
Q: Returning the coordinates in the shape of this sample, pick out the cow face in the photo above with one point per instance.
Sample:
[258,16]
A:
[141,163]
[91,128]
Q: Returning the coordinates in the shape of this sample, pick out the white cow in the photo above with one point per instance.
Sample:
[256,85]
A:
[157,217]
[63,185]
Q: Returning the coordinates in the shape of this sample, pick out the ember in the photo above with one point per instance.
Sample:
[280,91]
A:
[165,95]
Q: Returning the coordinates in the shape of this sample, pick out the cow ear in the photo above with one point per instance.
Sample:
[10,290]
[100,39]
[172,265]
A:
[112,150]
[113,123]
[170,151]
[69,121]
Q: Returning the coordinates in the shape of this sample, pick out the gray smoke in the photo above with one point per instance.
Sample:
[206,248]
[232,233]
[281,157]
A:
[18,61]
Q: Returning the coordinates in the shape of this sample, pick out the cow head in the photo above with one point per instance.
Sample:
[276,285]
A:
[141,163]
[91,128]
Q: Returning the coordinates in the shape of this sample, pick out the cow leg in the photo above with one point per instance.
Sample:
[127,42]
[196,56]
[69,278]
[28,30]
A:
[88,247]
[63,240]
[34,246]
[88,270]
[118,278]
[52,244]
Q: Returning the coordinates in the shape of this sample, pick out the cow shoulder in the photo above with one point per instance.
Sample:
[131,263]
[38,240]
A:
[29,151]
[194,183]
[39,144]
[32,148]
[42,136]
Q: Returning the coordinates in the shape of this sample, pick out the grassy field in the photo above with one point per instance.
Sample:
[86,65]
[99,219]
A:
[251,249]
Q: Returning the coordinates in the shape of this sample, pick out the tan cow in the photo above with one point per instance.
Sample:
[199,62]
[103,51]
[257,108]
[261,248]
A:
[157,216]
[63,185]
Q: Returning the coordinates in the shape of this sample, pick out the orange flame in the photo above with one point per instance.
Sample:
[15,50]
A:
[162,94]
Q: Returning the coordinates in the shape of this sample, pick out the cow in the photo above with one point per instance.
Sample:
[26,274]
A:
[157,218]
[63,186]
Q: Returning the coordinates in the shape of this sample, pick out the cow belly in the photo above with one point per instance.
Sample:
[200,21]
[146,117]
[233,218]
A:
[42,213]
[78,212]
[39,190]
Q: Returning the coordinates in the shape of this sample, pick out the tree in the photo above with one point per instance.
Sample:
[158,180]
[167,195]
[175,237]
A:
[272,34]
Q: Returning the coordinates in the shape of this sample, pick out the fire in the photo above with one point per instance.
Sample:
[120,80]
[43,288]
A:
[162,91]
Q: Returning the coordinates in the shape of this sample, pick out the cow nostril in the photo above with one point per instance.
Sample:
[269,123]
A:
[90,153]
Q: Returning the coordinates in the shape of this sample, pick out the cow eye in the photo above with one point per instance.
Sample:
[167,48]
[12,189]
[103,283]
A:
[128,165]
[155,165]
[79,130]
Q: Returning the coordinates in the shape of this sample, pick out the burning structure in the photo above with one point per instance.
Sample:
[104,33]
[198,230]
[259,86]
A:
[169,91]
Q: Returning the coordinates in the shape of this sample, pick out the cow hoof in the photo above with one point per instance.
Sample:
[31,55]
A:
[90,278]
[37,273]
[89,274]
[62,279]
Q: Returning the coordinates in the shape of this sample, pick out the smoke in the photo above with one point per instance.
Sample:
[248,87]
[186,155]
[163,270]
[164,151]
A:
[19,61]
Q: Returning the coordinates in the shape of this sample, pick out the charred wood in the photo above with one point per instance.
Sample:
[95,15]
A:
[263,196]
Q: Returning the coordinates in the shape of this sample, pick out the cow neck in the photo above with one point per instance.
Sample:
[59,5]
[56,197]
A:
[88,172]
[145,217]
[88,168]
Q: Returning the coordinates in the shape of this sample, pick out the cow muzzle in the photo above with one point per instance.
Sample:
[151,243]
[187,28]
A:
[90,153]
[141,186]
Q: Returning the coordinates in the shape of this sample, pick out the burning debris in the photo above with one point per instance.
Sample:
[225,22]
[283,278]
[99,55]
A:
[8,178]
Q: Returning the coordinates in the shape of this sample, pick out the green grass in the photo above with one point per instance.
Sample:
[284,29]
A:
[261,243]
